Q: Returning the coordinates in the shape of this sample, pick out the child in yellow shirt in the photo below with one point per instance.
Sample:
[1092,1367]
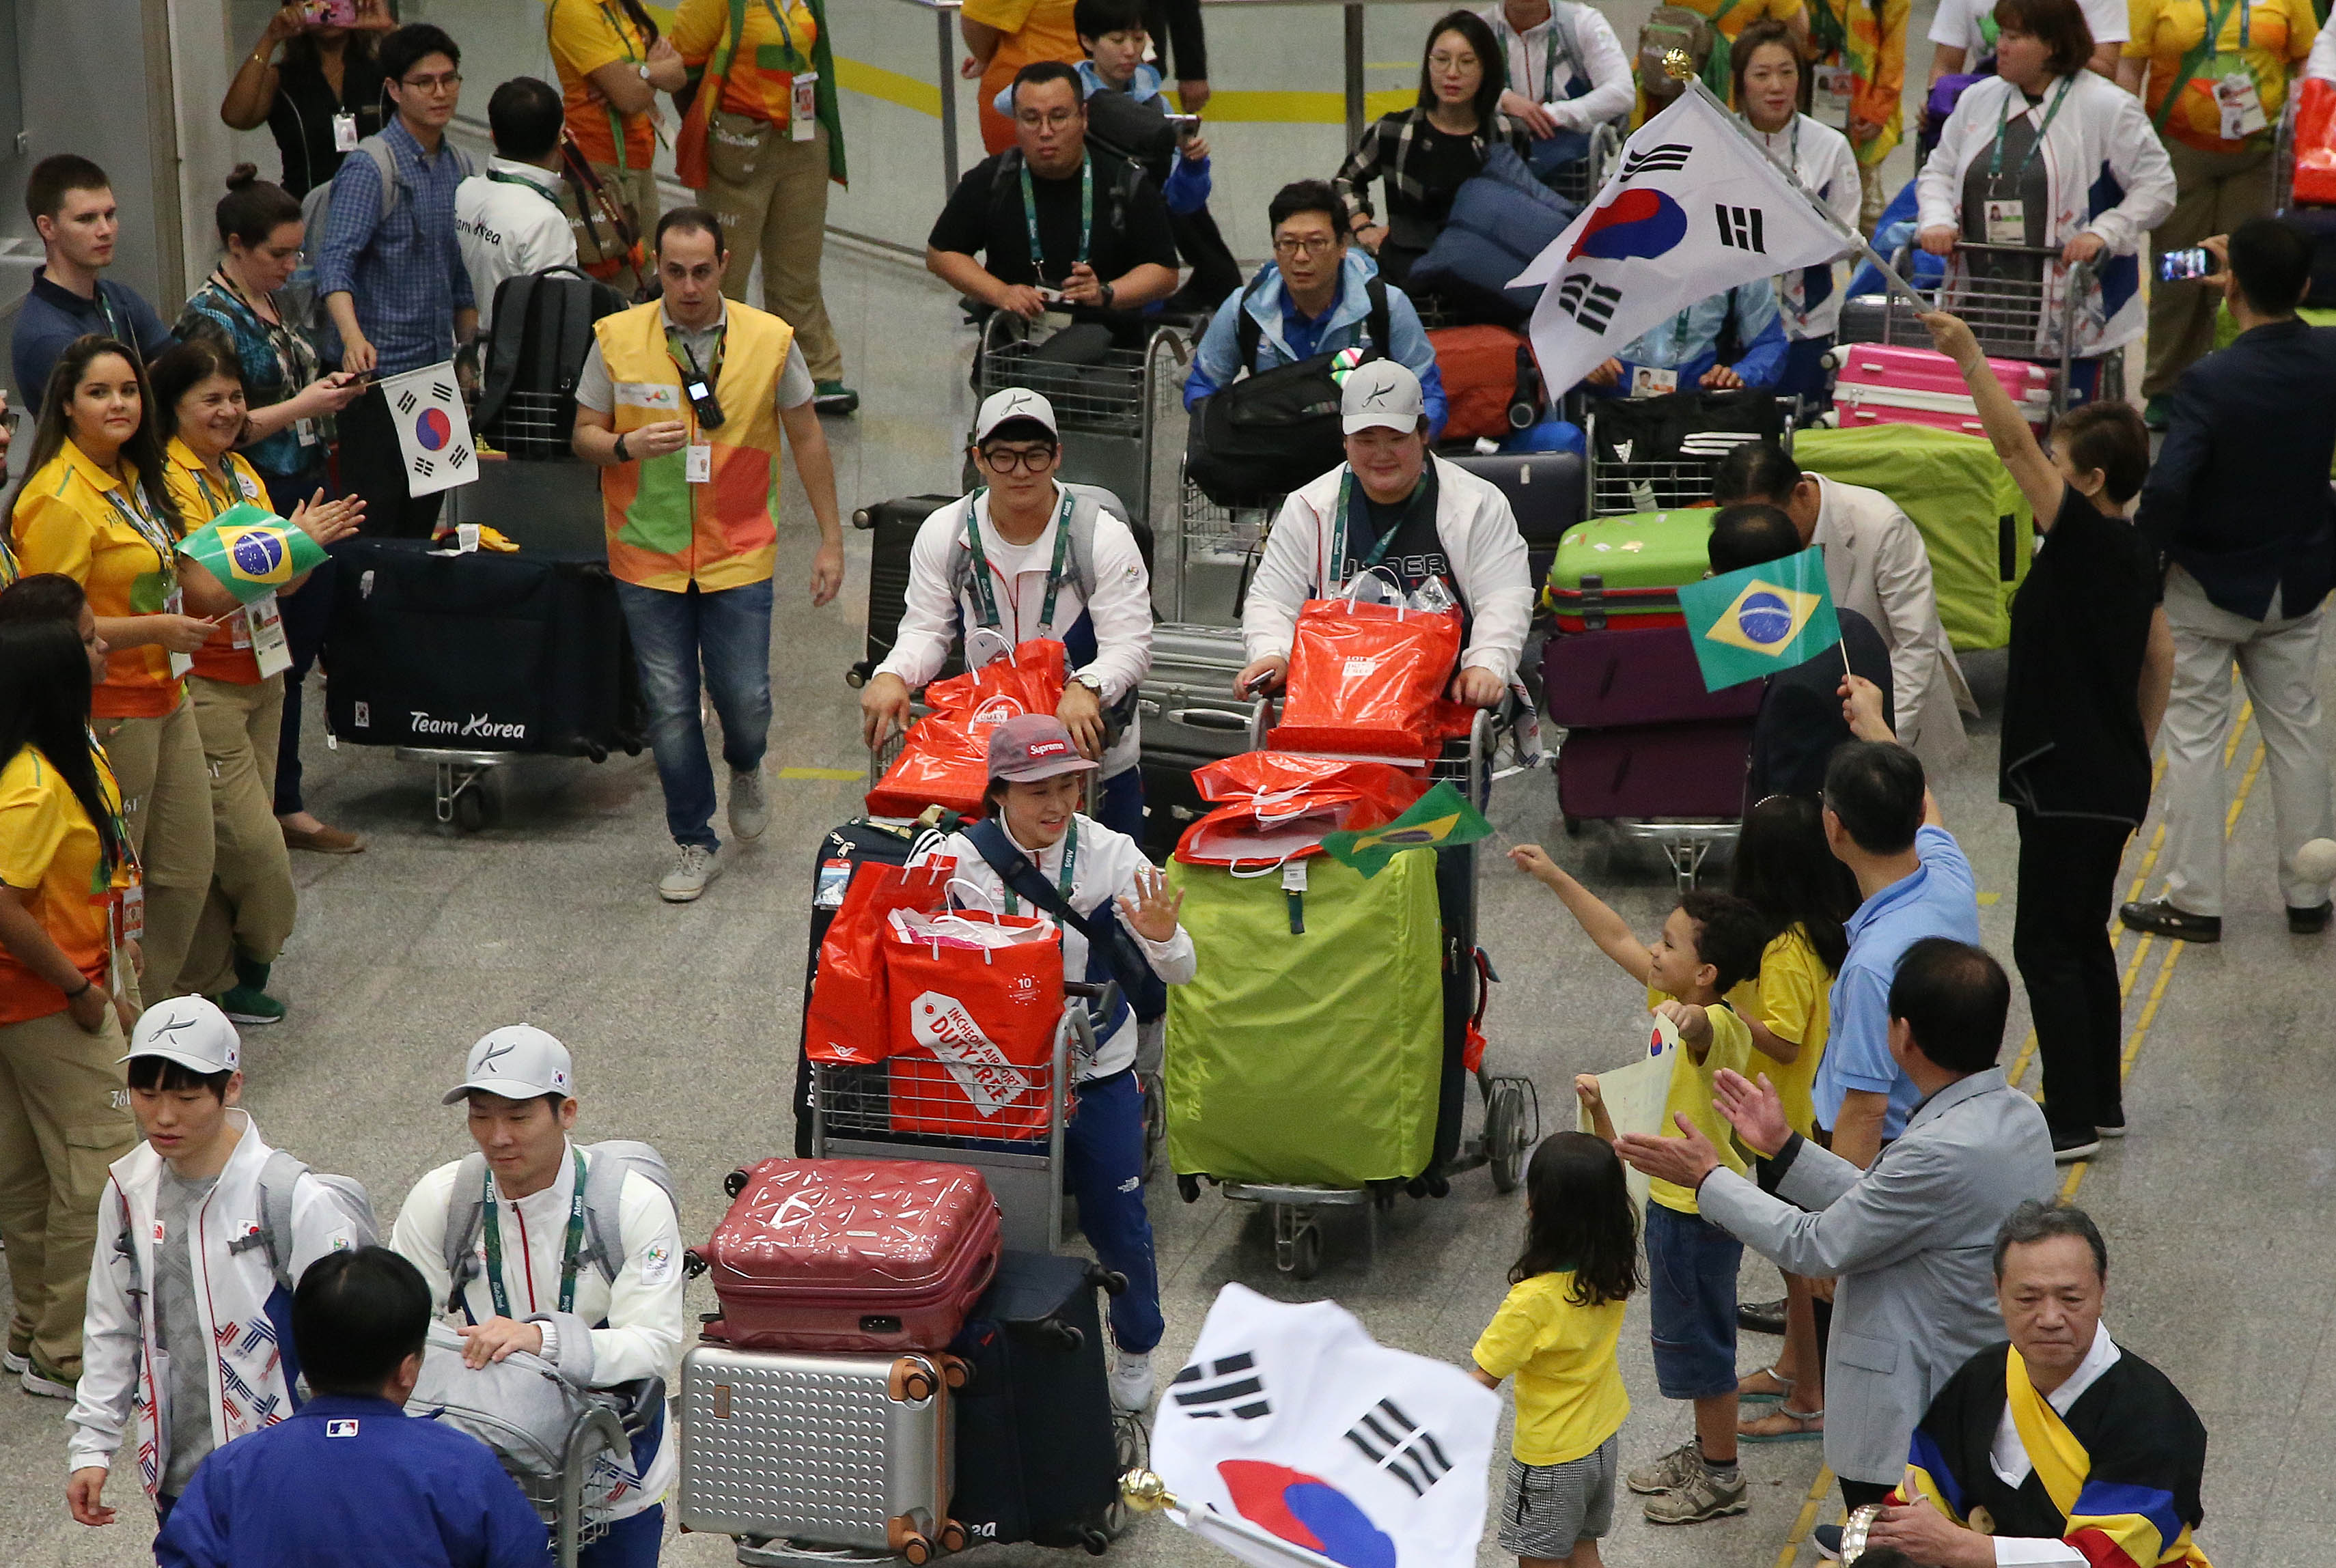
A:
[1709,944]
[1555,1333]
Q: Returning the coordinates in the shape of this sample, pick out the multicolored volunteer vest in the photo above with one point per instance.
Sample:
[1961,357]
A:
[664,531]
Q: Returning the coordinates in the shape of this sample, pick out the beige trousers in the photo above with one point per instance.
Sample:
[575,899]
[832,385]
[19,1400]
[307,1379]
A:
[251,904]
[166,799]
[2214,192]
[64,1116]
[636,191]
[771,194]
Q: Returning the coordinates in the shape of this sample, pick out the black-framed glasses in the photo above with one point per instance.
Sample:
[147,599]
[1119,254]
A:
[1311,245]
[1018,459]
[443,82]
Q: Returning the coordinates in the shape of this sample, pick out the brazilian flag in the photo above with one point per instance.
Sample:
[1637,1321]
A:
[1440,819]
[251,551]
[1764,619]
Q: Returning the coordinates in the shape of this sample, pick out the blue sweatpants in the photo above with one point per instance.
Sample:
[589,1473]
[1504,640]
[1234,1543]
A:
[1104,1147]
[632,1543]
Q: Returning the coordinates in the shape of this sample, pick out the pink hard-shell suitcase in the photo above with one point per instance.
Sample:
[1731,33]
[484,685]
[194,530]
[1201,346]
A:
[851,1255]
[1885,384]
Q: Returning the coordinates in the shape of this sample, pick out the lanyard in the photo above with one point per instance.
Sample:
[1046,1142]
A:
[1062,881]
[2221,20]
[1086,213]
[1995,159]
[235,489]
[575,1244]
[785,32]
[500,178]
[986,597]
[145,525]
[1385,540]
[105,309]
[1549,54]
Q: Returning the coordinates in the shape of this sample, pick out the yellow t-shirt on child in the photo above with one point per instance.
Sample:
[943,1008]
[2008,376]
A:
[1690,1096]
[1568,1386]
[1793,997]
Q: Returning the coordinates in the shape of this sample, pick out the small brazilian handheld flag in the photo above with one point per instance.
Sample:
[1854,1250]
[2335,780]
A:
[1440,819]
[1762,619]
[251,551]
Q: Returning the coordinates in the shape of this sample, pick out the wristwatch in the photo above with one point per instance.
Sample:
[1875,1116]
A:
[1088,678]
[622,455]
[1106,291]
[644,70]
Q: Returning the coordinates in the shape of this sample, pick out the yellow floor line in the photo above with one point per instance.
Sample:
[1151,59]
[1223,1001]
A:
[1806,1520]
[840,774]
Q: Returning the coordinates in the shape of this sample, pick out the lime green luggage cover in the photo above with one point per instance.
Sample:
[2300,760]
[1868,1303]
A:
[1310,1059]
[1963,499]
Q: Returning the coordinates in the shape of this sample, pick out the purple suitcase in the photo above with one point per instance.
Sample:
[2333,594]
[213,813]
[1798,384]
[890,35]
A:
[1694,771]
[1601,679]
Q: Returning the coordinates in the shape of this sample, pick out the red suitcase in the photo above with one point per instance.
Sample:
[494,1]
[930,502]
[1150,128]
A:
[1487,371]
[853,1255]
[1881,384]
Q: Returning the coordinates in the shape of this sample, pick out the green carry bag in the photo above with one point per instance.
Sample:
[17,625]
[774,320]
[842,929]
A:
[1311,1056]
[1975,523]
[1626,571]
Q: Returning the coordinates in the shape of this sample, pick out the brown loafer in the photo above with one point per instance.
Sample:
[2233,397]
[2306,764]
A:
[324,841]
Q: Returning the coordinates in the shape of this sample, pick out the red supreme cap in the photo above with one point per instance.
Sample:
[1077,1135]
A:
[1032,747]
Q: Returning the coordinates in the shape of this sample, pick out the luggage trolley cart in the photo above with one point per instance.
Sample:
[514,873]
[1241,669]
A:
[1511,1104]
[1111,401]
[1583,178]
[1216,552]
[857,1112]
[1665,484]
[2012,316]
[598,1430]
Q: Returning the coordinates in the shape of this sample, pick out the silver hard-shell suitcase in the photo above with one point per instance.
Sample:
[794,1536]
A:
[821,1450]
[1190,716]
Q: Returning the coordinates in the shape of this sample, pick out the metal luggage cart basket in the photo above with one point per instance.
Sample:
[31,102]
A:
[1110,408]
[1219,545]
[1512,1104]
[2020,302]
[1668,485]
[558,1500]
[859,1112]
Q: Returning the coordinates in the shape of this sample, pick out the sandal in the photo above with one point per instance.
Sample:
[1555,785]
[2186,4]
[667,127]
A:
[1782,1425]
[1779,1386]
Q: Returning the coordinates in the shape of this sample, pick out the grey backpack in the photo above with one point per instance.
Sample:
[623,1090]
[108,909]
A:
[606,1164]
[531,1416]
[280,1180]
[303,301]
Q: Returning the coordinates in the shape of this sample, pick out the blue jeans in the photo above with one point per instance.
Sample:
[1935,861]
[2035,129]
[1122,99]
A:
[307,614]
[1103,1147]
[1691,1266]
[729,632]
[631,1542]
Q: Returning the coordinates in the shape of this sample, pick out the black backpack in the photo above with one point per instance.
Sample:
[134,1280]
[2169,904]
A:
[535,355]
[1267,433]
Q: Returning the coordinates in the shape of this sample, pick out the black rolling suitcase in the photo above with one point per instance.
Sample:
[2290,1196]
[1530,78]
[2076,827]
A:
[1548,493]
[485,652]
[1036,1451]
[841,853]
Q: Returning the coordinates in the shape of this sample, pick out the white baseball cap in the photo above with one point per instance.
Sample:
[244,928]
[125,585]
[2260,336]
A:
[518,1062]
[189,1031]
[1380,393]
[1012,402]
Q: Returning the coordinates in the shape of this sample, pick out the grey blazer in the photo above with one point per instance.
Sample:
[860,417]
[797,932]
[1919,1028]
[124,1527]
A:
[1911,1242]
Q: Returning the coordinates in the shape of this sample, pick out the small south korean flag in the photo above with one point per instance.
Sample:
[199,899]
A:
[1291,1440]
[434,433]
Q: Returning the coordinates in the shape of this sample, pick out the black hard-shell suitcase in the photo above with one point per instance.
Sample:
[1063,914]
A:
[1548,493]
[480,652]
[1037,1452]
[841,853]
[535,356]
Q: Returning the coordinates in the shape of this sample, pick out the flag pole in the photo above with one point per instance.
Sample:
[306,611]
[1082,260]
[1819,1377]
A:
[1680,67]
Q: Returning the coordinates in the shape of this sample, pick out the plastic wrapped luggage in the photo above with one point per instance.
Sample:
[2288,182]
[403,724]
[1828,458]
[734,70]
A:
[487,652]
[1611,679]
[1878,384]
[851,1255]
[820,1450]
[1037,1453]
[1309,1045]
[1626,571]
[1975,523]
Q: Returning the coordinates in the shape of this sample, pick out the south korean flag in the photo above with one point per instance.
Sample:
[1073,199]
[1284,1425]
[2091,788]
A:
[434,433]
[1694,209]
[1291,1440]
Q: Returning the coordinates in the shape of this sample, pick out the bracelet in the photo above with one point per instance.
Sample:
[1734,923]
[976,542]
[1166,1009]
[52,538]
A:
[85,984]
[622,455]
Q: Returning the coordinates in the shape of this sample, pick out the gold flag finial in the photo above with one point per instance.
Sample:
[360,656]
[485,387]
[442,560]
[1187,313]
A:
[1679,65]
[1145,1492]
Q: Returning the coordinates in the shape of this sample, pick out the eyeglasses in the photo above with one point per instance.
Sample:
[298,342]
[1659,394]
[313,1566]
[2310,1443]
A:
[1313,245]
[1059,120]
[443,82]
[1018,459]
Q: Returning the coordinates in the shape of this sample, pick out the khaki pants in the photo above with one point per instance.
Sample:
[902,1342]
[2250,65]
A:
[771,194]
[597,245]
[251,904]
[64,1116]
[166,799]
[2214,192]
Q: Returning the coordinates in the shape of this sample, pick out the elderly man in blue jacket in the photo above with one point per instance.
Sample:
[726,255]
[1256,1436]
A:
[1317,296]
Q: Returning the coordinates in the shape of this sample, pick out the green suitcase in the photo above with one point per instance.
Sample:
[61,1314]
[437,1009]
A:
[1626,571]
[1975,524]
[1308,1058]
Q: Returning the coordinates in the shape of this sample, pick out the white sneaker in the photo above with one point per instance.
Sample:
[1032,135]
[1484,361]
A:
[14,1361]
[1132,1383]
[750,809]
[693,866]
[46,1387]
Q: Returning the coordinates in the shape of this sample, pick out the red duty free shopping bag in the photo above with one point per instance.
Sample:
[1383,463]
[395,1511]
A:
[845,1020]
[1276,805]
[1030,681]
[2315,142]
[975,1000]
[1369,680]
[944,760]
